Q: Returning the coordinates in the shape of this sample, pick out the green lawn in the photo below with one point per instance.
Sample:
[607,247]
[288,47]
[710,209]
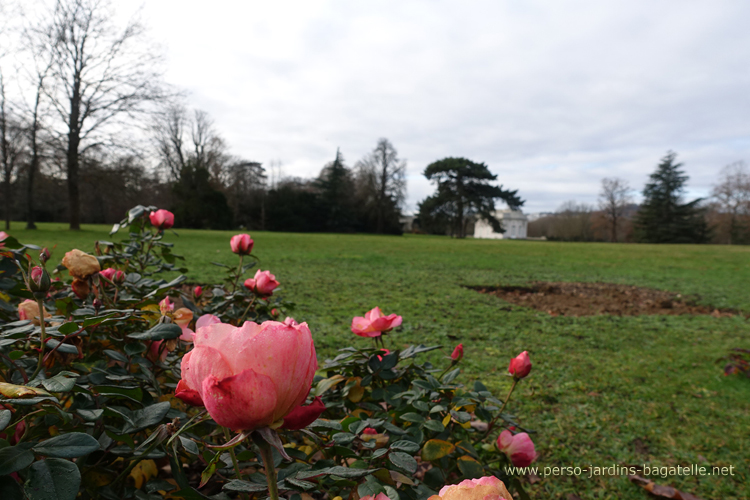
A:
[603,391]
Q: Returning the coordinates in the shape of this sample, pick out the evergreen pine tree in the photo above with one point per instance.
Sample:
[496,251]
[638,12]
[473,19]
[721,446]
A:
[337,196]
[663,217]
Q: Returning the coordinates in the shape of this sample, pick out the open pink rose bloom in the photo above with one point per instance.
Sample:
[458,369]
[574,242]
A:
[251,376]
[519,448]
[374,323]
[484,488]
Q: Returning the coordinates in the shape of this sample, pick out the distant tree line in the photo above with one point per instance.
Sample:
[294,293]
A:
[663,217]
[88,128]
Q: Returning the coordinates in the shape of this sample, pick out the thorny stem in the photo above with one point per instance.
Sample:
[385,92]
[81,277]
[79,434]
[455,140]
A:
[232,454]
[505,403]
[43,338]
[267,455]
[252,301]
[238,274]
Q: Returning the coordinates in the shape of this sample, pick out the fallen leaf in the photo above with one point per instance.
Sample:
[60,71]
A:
[660,490]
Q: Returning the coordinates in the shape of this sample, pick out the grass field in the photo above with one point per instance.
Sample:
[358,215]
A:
[603,391]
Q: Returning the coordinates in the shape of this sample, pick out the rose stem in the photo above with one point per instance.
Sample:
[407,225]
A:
[267,455]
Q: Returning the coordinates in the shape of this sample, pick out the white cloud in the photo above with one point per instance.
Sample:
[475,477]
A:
[553,96]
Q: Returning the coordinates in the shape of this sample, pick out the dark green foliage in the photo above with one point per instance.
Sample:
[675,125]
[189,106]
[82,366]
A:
[198,205]
[336,188]
[294,206]
[663,217]
[463,191]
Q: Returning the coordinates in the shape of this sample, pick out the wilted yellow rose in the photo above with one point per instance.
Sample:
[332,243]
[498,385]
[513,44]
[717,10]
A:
[80,264]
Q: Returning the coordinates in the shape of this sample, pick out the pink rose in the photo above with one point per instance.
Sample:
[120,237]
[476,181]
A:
[207,319]
[520,366]
[519,448]
[484,488]
[302,416]
[250,376]
[458,353]
[157,352]
[109,273]
[379,496]
[3,237]
[374,323]
[263,284]
[197,291]
[241,244]
[161,219]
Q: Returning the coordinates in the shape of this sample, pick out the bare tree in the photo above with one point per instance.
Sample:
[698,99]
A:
[11,149]
[733,196]
[383,176]
[183,142]
[101,76]
[613,200]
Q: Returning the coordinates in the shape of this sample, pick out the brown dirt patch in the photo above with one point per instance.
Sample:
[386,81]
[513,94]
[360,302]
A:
[590,299]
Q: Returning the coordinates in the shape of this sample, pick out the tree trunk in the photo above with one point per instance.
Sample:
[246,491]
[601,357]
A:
[614,229]
[74,140]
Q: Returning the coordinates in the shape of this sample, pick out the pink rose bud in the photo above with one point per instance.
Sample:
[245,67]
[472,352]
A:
[458,353]
[250,376]
[197,291]
[275,313]
[36,274]
[484,488]
[162,219]
[518,448]
[379,496]
[97,305]
[80,288]
[241,244]
[108,273]
[374,323]
[39,282]
[302,416]
[263,284]
[520,366]
[44,255]
[166,306]
[370,431]
[119,278]
[157,352]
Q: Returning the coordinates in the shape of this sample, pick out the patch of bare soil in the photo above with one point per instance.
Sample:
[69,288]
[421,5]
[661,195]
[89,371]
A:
[590,299]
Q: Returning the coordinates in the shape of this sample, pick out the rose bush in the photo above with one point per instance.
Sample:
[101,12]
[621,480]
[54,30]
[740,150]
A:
[102,399]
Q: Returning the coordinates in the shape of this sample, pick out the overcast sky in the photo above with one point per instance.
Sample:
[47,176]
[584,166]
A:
[552,96]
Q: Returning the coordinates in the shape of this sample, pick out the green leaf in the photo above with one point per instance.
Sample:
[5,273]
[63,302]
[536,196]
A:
[343,438]
[325,424]
[59,383]
[134,348]
[412,417]
[71,445]
[434,425]
[150,415]
[113,391]
[15,355]
[64,348]
[371,488]
[117,356]
[451,376]
[469,467]
[244,486]
[403,461]
[5,416]
[15,458]
[90,415]
[68,328]
[189,445]
[404,445]
[163,331]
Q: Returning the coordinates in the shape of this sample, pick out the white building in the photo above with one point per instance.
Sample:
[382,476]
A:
[514,222]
